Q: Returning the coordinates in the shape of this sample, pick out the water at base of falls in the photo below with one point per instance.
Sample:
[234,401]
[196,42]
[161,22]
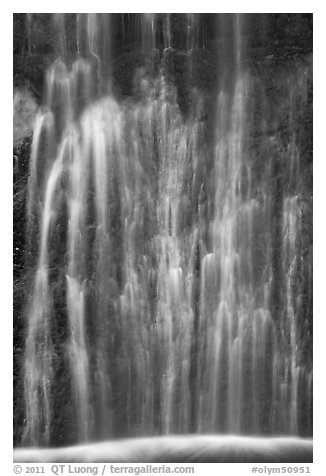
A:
[168,255]
[176,449]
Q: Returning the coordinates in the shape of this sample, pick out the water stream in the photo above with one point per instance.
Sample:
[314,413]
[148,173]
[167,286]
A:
[169,252]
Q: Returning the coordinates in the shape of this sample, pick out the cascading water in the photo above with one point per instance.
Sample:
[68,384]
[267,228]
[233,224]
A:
[170,264]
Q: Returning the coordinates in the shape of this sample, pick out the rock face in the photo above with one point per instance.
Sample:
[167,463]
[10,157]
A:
[25,108]
[163,234]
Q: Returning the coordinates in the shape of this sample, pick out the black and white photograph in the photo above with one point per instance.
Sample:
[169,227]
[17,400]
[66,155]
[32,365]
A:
[163,238]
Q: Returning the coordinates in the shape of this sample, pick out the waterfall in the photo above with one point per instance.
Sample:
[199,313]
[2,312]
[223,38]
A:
[166,234]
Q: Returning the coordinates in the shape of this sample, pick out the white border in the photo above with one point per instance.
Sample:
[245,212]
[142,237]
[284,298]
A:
[318,8]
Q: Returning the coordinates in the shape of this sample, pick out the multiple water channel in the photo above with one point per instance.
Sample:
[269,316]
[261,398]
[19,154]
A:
[171,276]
